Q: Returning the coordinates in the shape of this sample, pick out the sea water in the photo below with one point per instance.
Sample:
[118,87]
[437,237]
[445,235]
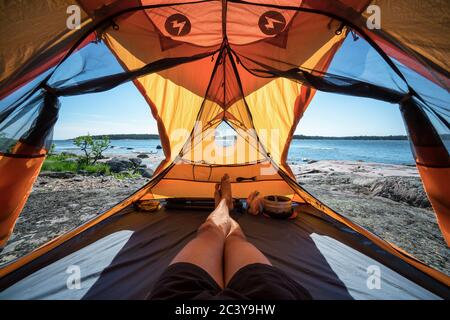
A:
[381,151]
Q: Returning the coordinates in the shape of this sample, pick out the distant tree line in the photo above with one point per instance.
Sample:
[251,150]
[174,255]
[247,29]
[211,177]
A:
[126,136]
[297,137]
[302,137]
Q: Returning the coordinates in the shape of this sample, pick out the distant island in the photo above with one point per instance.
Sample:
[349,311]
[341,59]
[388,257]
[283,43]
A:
[302,137]
[296,137]
[137,136]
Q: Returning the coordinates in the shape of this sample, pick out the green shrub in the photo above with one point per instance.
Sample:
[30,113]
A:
[100,168]
[53,163]
[92,148]
[59,166]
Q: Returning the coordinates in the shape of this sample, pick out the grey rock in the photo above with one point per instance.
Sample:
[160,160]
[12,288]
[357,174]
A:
[59,175]
[136,161]
[146,173]
[118,165]
[405,190]
[143,156]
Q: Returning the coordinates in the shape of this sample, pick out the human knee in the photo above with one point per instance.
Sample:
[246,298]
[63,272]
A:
[209,227]
[236,234]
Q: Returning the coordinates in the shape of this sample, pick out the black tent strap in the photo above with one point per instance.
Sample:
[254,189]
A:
[22,156]
[327,82]
[109,82]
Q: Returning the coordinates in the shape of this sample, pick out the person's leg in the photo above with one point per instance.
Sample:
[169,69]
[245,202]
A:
[206,249]
[238,252]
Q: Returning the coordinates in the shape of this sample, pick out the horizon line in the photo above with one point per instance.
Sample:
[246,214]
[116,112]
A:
[123,136]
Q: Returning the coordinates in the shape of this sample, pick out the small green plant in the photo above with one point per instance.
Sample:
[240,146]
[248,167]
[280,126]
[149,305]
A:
[59,166]
[56,164]
[92,148]
[51,151]
[122,176]
[99,168]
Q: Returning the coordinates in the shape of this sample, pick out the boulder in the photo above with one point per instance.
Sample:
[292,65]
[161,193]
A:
[143,156]
[118,164]
[136,161]
[146,173]
[401,189]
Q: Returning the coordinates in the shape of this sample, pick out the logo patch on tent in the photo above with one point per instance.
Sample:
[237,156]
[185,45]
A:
[272,23]
[178,25]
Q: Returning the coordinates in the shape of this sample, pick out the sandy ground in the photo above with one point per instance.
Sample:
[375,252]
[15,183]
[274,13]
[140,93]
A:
[386,199]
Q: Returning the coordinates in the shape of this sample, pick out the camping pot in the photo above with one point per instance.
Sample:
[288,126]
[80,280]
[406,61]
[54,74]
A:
[277,204]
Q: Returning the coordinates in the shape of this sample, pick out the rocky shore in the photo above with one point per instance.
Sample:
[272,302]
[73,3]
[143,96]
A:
[389,200]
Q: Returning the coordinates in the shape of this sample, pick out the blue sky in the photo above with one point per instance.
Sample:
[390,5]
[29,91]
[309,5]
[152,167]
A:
[123,109]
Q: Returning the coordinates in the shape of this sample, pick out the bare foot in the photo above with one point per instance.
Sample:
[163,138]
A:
[223,192]
[220,217]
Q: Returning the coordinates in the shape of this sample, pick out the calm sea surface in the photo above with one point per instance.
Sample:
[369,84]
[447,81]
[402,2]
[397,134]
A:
[382,151]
